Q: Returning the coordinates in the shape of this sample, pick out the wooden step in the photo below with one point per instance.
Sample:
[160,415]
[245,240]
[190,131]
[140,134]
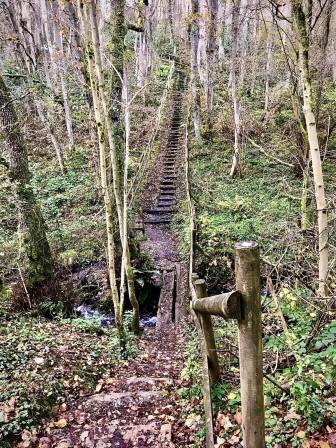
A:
[159,211]
[170,191]
[167,188]
[164,195]
[160,220]
[165,205]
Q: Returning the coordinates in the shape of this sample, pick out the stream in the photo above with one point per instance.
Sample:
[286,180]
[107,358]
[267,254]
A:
[107,320]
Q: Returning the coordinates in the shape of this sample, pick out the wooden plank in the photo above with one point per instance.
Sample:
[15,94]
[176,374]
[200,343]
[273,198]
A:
[164,314]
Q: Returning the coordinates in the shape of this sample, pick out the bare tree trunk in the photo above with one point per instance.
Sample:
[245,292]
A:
[195,81]
[66,105]
[255,45]
[324,45]
[234,88]
[40,262]
[30,62]
[301,28]
[268,67]
[221,33]
[211,43]
[44,119]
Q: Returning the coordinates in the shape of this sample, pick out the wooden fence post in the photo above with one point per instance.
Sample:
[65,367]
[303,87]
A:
[208,333]
[250,345]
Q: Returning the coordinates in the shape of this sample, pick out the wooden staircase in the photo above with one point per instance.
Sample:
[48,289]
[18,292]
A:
[161,213]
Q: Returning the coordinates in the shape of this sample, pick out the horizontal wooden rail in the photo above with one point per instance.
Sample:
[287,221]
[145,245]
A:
[227,305]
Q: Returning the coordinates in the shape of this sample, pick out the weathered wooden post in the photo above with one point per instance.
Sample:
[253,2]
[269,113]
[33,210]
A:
[194,277]
[250,345]
[208,333]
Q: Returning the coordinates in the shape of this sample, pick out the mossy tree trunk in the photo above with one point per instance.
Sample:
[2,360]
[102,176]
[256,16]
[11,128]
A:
[110,95]
[118,148]
[103,166]
[36,246]
[211,50]
[301,28]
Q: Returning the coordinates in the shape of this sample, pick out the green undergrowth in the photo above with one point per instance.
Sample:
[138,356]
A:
[261,204]
[46,363]
[71,207]
[257,206]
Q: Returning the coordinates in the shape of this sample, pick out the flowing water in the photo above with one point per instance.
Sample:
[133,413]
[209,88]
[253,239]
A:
[107,320]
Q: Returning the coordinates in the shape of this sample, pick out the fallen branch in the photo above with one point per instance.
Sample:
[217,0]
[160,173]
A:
[269,378]
[269,155]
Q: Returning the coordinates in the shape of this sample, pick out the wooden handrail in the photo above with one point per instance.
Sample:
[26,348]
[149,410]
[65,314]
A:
[227,305]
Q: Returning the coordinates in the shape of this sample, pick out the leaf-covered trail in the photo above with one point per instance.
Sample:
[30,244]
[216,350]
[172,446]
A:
[135,405]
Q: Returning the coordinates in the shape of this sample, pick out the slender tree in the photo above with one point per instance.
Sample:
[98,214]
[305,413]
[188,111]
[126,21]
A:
[211,47]
[304,68]
[234,87]
[103,165]
[195,80]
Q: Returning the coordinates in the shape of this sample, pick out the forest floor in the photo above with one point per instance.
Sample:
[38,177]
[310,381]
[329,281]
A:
[135,405]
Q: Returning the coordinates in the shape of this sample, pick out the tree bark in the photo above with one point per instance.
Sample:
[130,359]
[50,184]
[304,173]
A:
[211,44]
[45,121]
[37,249]
[64,89]
[270,39]
[322,70]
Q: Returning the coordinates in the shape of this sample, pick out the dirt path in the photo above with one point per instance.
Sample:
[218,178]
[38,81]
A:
[137,405]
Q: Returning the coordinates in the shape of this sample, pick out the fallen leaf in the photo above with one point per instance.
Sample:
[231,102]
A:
[234,440]
[39,361]
[220,442]
[61,423]
[324,444]
[332,440]
[224,421]
[63,444]
[84,435]
[26,435]
[192,420]
[238,418]
[44,442]
[292,416]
